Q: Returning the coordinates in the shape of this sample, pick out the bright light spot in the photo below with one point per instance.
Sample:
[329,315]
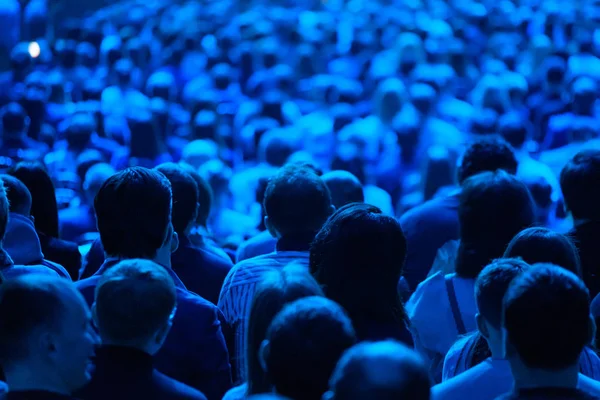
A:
[34,49]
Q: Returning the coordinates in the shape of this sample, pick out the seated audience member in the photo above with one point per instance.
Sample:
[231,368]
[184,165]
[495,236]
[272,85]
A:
[46,338]
[430,225]
[303,345]
[133,210]
[297,203]
[75,222]
[134,307]
[44,210]
[21,242]
[494,207]
[278,288]
[380,370]
[345,188]
[201,271]
[16,145]
[358,257]
[579,183]
[547,324]
[8,269]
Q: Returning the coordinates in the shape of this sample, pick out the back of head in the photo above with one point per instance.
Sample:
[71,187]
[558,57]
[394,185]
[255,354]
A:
[205,195]
[488,154]
[344,187]
[514,129]
[494,207]
[547,318]
[199,151]
[4,211]
[44,207]
[381,370]
[579,183]
[185,196]
[14,120]
[542,245]
[491,286]
[133,213]
[18,195]
[358,257]
[277,288]
[296,201]
[134,301]
[303,346]
[275,148]
[145,139]
[79,131]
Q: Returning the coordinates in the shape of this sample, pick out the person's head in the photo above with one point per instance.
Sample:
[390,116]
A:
[297,202]
[276,289]
[385,370]
[275,148]
[542,245]
[185,196]
[4,211]
[555,70]
[303,345]
[344,187]
[18,195]
[439,170]
[79,131]
[199,152]
[94,178]
[15,121]
[493,208]
[579,184]
[134,305]
[490,287]
[546,320]
[584,91]
[44,207]
[358,257]
[514,129]
[205,195]
[46,336]
[133,214]
[488,154]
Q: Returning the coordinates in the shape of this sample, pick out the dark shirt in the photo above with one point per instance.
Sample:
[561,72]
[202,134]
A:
[201,271]
[35,395]
[92,260]
[259,245]
[127,373]
[76,221]
[61,252]
[427,228]
[586,237]
[195,352]
[548,393]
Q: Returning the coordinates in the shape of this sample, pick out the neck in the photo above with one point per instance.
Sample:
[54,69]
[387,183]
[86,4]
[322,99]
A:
[143,347]
[23,378]
[527,378]
[496,348]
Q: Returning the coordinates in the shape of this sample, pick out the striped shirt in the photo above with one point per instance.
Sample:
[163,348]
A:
[237,294]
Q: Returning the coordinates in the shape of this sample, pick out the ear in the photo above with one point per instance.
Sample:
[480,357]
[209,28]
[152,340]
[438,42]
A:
[263,354]
[174,242]
[328,395]
[482,326]
[332,210]
[270,228]
[162,333]
[592,331]
[46,345]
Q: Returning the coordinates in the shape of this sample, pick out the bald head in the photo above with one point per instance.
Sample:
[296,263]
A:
[345,188]
[381,370]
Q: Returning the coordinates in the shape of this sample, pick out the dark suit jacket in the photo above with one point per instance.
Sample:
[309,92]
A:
[63,253]
[124,373]
[427,228]
[195,352]
[201,270]
[587,239]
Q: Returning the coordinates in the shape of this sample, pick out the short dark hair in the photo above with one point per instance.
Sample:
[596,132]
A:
[133,212]
[306,340]
[493,208]
[344,187]
[79,130]
[491,286]
[547,317]
[358,257]
[487,154]
[514,129]
[205,194]
[44,207]
[381,370]
[28,303]
[579,183]
[275,148]
[297,201]
[542,245]
[276,289]
[14,119]
[4,210]
[134,299]
[185,195]
[18,195]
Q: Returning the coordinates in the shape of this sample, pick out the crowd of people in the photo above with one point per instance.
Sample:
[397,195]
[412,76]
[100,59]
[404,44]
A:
[315,200]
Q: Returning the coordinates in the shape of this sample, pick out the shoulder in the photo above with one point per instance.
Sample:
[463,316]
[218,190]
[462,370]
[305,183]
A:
[195,307]
[454,362]
[175,389]
[429,209]
[63,246]
[428,289]
[236,393]
[21,270]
